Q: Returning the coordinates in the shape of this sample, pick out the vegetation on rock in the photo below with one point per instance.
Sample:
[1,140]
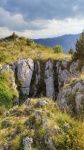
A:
[43,122]
[40,123]
[7,93]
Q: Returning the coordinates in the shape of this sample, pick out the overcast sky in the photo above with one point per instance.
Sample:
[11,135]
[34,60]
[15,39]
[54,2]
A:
[41,18]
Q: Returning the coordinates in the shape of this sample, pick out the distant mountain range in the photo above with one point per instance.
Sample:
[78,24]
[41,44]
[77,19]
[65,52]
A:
[66,41]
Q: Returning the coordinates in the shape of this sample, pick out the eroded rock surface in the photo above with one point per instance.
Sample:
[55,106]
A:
[24,71]
[71,96]
[49,79]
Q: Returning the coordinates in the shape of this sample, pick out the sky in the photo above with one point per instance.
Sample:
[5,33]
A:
[41,18]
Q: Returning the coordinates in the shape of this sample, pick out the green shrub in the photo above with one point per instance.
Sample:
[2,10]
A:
[71,51]
[79,54]
[2,57]
[17,143]
[7,93]
[58,49]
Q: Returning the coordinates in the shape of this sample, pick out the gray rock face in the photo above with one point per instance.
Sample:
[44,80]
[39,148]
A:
[64,63]
[78,100]
[82,69]
[27,143]
[72,95]
[63,73]
[49,79]
[37,76]
[25,69]
[73,68]
[64,76]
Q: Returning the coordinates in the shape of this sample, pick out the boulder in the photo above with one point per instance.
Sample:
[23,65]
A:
[49,142]
[27,101]
[54,130]
[66,125]
[27,142]
[6,68]
[45,122]
[43,102]
[38,114]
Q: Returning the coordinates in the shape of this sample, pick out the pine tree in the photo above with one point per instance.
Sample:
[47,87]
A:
[79,54]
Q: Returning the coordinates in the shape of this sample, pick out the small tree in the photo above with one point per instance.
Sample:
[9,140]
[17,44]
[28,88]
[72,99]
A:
[58,49]
[71,51]
[80,47]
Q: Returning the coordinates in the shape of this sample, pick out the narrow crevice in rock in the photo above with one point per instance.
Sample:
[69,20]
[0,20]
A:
[37,87]
[56,84]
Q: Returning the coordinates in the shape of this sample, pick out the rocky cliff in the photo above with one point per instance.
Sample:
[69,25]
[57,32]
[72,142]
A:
[53,79]
[36,121]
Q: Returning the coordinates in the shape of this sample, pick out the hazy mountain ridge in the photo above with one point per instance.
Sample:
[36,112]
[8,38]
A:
[66,41]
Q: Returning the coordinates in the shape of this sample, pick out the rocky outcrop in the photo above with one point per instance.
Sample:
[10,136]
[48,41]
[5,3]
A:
[71,96]
[49,79]
[65,72]
[45,78]
[73,68]
[24,71]
[37,77]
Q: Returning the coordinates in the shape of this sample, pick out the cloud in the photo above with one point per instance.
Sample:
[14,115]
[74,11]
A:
[45,9]
[42,18]
[17,22]
[54,28]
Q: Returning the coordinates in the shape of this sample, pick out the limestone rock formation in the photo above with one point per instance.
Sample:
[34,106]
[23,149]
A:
[49,79]
[51,74]
[71,96]
[73,68]
[37,71]
[24,71]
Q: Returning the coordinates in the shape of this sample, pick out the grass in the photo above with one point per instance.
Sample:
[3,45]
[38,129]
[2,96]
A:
[25,124]
[7,93]
[11,49]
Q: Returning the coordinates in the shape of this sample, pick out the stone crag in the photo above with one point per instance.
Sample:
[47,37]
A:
[50,79]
